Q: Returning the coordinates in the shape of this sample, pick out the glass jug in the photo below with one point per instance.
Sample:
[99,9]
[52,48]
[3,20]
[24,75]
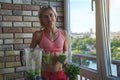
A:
[31,59]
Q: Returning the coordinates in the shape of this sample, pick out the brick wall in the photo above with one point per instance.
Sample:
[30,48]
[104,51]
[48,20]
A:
[18,20]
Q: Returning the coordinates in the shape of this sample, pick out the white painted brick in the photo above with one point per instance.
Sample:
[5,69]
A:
[6,24]
[22,24]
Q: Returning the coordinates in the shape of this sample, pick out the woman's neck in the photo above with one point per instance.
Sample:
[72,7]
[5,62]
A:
[51,33]
[51,29]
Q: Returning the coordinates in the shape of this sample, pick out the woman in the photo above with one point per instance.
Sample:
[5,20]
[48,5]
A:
[51,40]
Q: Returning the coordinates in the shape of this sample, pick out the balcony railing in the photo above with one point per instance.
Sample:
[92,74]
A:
[90,57]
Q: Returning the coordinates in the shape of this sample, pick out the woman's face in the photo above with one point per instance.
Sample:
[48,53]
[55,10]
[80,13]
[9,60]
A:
[48,18]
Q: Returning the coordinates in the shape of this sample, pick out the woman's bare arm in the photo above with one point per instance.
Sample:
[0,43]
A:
[65,47]
[35,39]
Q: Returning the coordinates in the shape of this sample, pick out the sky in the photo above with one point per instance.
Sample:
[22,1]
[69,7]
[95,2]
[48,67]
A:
[83,18]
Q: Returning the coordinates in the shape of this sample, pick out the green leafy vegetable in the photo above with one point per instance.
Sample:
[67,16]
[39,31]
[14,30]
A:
[71,70]
[37,72]
[32,72]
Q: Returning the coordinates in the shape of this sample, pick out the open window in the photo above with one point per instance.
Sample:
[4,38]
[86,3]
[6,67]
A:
[94,37]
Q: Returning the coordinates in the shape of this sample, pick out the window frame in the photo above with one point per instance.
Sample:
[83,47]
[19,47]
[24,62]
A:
[102,37]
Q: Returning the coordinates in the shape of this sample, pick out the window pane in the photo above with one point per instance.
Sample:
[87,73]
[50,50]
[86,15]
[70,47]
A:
[83,36]
[115,35]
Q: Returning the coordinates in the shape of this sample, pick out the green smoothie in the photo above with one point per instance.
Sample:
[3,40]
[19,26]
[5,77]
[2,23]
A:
[34,72]
[46,58]
[62,58]
[37,72]
[30,72]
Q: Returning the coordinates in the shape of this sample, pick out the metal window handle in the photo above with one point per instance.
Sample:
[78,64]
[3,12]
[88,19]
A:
[92,4]
[21,58]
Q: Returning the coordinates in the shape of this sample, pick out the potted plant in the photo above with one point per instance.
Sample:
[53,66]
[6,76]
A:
[71,71]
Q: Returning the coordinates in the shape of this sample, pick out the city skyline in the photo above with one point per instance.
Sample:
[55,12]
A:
[82,18]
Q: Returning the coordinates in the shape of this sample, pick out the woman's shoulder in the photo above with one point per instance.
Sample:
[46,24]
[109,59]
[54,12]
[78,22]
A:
[37,33]
[64,33]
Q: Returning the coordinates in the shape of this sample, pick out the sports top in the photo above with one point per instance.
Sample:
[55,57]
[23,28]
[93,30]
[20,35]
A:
[53,46]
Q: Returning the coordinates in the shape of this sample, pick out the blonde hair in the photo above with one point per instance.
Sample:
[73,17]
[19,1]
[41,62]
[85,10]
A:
[44,8]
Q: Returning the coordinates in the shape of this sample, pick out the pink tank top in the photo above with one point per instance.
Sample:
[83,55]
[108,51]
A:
[53,46]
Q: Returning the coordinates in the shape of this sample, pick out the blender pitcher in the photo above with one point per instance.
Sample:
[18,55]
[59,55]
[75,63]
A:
[31,59]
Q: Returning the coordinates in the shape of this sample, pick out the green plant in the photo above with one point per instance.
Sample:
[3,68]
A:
[71,71]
